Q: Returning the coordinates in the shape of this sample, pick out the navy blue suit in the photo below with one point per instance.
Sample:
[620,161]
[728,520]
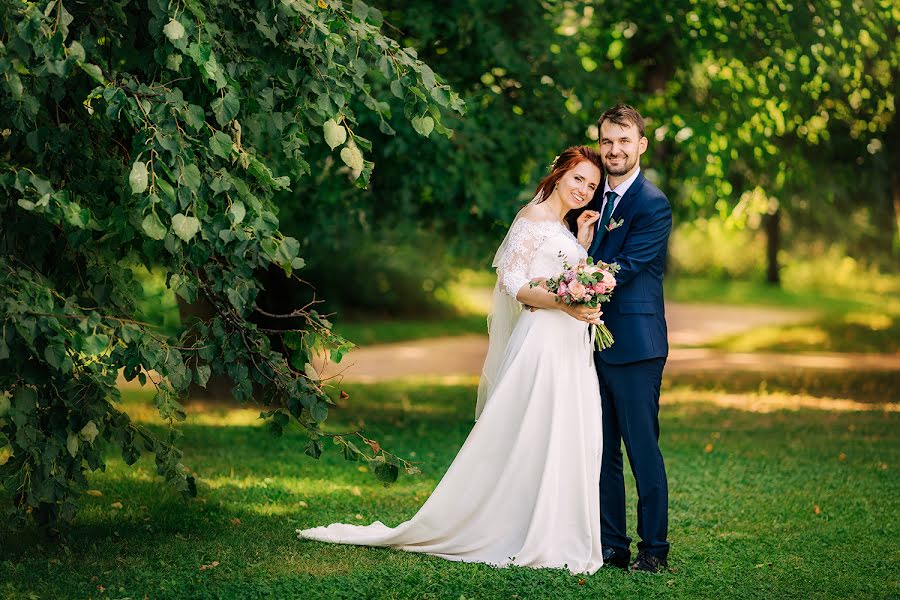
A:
[630,371]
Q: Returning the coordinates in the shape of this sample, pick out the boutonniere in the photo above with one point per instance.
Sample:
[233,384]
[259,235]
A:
[614,224]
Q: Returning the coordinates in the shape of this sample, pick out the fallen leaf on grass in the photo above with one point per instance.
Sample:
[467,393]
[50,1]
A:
[211,565]
[360,517]
[842,456]
[94,493]
[235,521]
[816,509]
[581,582]
[362,469]
[302,504]
[116,505]
[708,448]
[356,491]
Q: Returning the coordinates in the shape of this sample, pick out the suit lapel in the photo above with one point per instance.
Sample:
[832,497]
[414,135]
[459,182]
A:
[626,204]
[624,209]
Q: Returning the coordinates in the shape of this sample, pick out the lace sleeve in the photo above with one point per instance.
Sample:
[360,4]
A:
[523,240]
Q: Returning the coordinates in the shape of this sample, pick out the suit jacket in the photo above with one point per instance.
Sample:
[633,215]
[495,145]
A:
[635,314]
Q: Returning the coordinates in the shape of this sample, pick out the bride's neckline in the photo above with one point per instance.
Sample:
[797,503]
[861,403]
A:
[548,221]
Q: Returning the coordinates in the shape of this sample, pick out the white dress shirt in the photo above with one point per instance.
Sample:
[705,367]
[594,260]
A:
[619,190]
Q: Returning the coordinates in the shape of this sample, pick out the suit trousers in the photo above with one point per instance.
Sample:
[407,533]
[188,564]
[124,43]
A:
[630,400]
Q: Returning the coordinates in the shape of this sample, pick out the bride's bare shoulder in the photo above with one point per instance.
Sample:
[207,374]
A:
[536,213]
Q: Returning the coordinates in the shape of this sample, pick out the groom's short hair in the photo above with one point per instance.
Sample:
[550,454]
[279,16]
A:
[623,115]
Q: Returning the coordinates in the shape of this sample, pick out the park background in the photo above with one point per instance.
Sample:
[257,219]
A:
[772,130]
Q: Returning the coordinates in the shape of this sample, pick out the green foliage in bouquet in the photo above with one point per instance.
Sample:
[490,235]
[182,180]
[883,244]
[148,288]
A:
[132,135]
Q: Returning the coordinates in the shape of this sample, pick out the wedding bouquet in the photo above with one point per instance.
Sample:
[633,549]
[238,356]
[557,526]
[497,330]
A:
[588,284]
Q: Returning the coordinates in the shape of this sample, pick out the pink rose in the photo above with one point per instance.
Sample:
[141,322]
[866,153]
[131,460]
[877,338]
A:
[561,291]
[591,269]
[609,280]
[599,287]
[577,290]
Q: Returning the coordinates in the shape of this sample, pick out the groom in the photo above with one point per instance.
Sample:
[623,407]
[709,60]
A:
[633,231]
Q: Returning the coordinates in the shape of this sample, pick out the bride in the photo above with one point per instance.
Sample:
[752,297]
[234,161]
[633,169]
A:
[523,489]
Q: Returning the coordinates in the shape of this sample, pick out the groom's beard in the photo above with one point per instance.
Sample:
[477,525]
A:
[621,170]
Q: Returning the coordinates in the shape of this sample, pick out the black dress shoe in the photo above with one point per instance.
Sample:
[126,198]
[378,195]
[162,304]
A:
[648,563]
[616,557]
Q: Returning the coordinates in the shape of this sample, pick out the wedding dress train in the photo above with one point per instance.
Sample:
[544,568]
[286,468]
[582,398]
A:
[523,489]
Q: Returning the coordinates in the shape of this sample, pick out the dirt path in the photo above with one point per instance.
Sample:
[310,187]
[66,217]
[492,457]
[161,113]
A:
[688,324]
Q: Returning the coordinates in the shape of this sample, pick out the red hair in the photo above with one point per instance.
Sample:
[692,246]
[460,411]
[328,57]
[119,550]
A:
[567,160]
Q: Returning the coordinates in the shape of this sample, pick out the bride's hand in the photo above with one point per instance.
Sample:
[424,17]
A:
[583,313]
[586,222]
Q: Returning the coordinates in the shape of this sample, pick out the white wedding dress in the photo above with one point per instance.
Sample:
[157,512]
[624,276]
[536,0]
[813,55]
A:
[524,488]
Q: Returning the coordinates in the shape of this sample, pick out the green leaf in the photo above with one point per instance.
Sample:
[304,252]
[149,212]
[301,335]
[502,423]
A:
[236,212]
[192,176]
[335,134]
[89,432]
[201,375]
[311,372]
[195,117]
[397,88]
[72,444]
[314,448]
[94,72]
[352,157]
[225,109]
[95,344]
[185,227]
[4,404]
[153,227]
[375,17]
[55,354]
[174,30]
[4,354]
[220,144]
[423,125]
[76,51]
[360,10]
[319,412]
[384,472]
[6,452]
[137,179]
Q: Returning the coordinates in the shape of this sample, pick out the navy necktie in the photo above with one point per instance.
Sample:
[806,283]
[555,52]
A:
[604,220]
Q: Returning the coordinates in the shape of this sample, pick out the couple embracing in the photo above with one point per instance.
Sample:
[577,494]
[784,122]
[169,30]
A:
[552,414]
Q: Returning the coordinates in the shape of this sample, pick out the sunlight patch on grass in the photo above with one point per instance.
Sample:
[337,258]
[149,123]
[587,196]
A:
[765,337]
[767,403]
[874,321]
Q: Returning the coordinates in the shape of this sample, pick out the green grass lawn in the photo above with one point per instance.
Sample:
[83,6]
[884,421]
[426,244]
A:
[785,488]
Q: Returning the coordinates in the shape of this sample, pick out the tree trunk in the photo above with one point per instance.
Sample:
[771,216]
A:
[773,245]
[895,193]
